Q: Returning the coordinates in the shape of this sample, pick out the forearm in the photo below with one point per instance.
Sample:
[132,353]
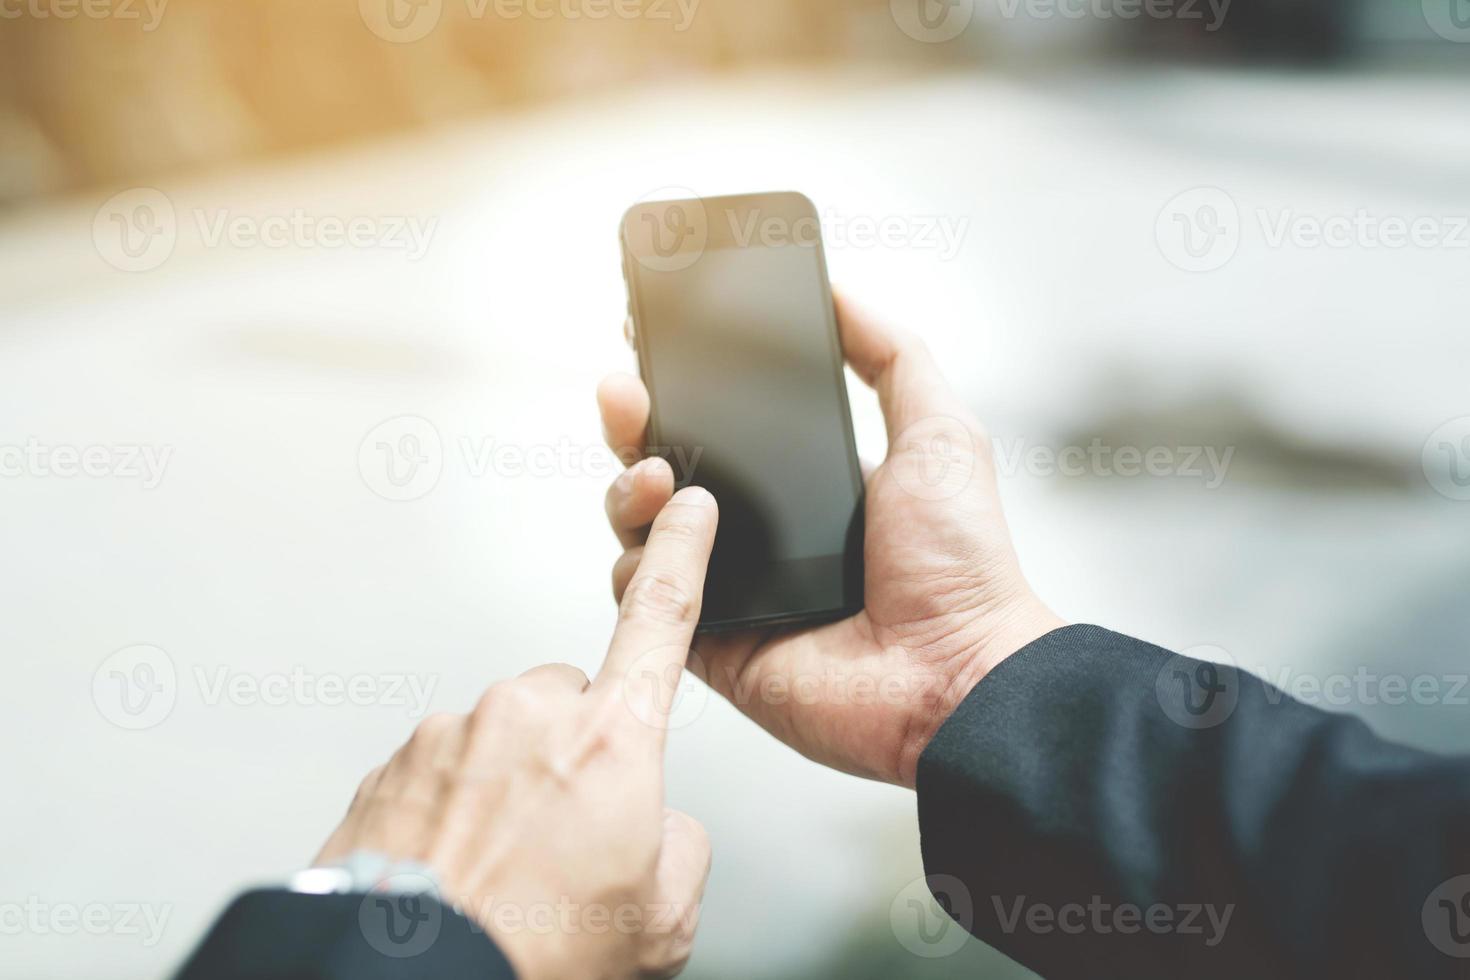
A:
[1103,829]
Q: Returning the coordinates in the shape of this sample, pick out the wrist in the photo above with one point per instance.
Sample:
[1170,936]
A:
[986,642]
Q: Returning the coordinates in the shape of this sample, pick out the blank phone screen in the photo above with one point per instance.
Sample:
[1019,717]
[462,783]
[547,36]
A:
[740,359]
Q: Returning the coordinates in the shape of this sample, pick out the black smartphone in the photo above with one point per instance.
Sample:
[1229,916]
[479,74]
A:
[737,343]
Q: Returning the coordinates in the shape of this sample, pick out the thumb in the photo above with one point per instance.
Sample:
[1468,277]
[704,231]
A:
[679,880]
[899,367]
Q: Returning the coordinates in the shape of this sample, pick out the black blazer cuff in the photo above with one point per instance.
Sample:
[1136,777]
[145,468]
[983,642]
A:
[279,934]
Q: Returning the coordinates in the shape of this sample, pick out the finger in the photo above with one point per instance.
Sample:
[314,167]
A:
[660,607]
[556,677]
[635,498]
[415,779]
[623,569]
[898,367]
[680,879]
[429,751]
[340,842]
[684,859]
[623,402]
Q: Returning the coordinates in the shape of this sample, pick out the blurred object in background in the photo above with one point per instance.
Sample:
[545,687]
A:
[1293,31]
[166,87]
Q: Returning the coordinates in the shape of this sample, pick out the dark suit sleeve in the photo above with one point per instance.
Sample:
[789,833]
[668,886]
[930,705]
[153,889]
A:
[1098,807]
[281,935]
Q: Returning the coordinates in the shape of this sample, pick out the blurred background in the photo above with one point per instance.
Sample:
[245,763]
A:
[302,304]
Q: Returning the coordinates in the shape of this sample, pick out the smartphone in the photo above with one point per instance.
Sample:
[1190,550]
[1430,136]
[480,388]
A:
[737,343]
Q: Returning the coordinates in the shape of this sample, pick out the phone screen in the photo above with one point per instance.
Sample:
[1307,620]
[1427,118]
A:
[738,346]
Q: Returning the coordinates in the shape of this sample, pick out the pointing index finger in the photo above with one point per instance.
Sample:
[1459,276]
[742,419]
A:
[660,607]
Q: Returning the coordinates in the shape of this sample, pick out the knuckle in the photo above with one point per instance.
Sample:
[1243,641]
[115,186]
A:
[699,838]
[666,952]
[489,704]
[432,728]
[688,515]
[624,568]
[680,522]
[662,596]
[505,700]
[905,344]
[369,783]
[667,964]
[695,836]
[573,673]
[613,501]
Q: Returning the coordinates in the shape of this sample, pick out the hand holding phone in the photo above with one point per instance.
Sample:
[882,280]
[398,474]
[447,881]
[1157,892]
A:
[944,597]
